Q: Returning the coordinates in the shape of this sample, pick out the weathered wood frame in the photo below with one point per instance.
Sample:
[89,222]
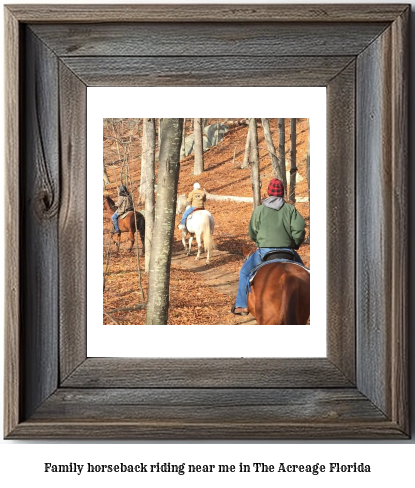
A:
[359,52]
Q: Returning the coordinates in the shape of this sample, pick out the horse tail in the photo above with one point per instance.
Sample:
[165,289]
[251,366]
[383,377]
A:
[291,300]
[208,241]
[141,223]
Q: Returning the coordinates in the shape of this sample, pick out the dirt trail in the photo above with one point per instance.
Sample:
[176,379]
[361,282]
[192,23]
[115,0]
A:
[213,276]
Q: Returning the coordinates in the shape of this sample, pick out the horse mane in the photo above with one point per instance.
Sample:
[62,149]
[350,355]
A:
[111,203]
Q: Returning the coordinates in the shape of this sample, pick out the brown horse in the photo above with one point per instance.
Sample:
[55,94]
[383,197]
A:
[127,224]
[280,294]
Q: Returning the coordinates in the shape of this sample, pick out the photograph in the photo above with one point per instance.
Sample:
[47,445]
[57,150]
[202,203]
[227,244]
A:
[222,237]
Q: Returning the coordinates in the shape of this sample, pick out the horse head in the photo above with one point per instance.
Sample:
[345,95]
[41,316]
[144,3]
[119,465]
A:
[108,203]
[181,203]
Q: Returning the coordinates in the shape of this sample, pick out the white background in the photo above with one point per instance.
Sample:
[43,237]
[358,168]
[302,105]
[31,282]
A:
[211,340]
[21,463]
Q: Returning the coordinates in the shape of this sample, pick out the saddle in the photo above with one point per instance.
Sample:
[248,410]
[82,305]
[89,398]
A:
[122,216]
[274,259]
[287,254]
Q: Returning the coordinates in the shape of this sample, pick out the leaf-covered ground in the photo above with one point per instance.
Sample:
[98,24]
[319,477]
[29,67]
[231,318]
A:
[199,293]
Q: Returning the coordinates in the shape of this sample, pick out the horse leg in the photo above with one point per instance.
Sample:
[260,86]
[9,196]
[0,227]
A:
[131,236]
[184,240]
[190,245]
[199,244]
[117,241]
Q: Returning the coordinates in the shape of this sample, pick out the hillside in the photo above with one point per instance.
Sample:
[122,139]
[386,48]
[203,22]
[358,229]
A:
[199,293]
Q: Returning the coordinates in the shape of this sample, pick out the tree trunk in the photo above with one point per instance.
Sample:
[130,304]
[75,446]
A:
[247,147]
[105,176]
[183,148]
[116,137]
[254,163]
[142,187]
[168,175]
[150,135]
[293,170]
[228,198]
[275,163]
[281,150]
[198,166]
[158,138]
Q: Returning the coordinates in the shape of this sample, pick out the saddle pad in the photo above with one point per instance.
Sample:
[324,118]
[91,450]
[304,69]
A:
[252,274]
[124,215]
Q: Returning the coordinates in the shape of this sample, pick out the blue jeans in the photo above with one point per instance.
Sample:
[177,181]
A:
[186,214]
[253,260]
[114,219]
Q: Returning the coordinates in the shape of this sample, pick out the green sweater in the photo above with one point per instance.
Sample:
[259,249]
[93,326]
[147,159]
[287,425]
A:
[277,228]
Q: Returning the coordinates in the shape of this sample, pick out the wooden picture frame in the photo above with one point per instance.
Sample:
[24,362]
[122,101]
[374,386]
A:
[360,53]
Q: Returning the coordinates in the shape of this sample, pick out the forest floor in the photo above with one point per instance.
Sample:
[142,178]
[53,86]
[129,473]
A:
[200,293]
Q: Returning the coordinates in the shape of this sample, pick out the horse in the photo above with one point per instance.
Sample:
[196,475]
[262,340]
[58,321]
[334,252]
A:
[199,222]
[280,294]
[127,224]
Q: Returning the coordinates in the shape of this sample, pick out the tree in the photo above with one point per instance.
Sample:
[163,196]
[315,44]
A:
[168,175]
[281,150]
[149,133]
[105,177]
[116,136]
[247,149]
[254,163]
[293,169]
[142,188]
[275,162]
[183,148]
[198,132]
[158,138]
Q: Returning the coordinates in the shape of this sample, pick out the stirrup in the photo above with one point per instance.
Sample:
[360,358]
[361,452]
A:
[238,313]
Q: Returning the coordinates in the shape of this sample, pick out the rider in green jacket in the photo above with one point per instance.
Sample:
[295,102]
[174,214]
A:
[274,224]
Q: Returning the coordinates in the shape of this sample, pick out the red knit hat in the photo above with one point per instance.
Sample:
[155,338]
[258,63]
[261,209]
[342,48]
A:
[275,188]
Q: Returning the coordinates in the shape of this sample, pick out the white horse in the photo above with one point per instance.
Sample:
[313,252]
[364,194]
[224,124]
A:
[199,223]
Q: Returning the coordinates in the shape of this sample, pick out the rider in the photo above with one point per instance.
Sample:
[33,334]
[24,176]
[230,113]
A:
[124,204]
[274,224]
[196,199]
